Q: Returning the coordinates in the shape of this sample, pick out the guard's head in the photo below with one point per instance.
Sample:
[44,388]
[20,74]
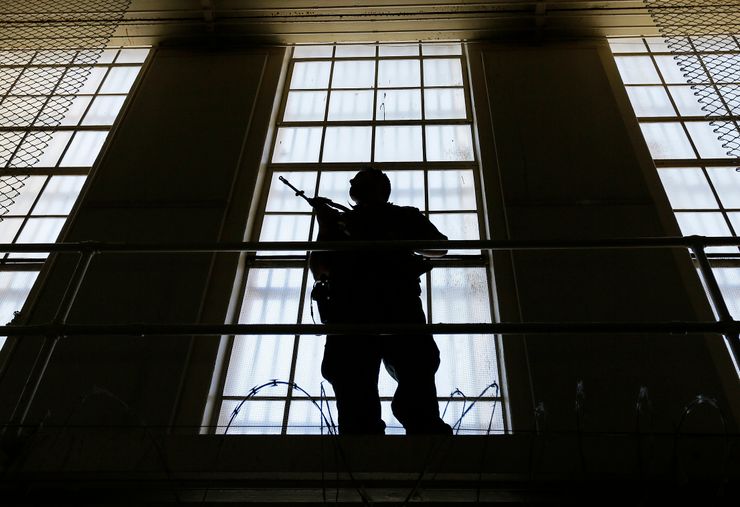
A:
[370,186]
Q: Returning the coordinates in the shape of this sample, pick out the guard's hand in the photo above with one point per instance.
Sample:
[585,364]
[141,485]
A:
[325,214]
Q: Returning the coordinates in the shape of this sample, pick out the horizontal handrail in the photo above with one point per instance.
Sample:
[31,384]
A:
[259,246]
[731,327]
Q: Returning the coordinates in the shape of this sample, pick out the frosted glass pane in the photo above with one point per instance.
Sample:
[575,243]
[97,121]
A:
[398,73]
[14,289]
[444,103]
[399,105]
[686,101]
[55,143]
[449,142]
[312,51]
[8,143]
[335,185]
[714,43]
[441,49]
[723,68]
[54,56]
[392,426]
[670,68]
[271,296]
[735,221]
[443,72]
[305,106]
[706,140]
[398,144]
[105,56]
[84,149]
[310,75]
[254,418]
[282,198]
[468,363]
[20,111]
[687,188]
[92,81]
[407,188]
[729,282]
[477,419]
[460,295]
[650,101]
[705,224]
[458,226]
[37,81]
[627,45]
[399,50]
[356,50]
[7,78]
[347,144]
[451,190]
[353,74]
[27,195]
[9,228]
[305,418]
[104,110]
[132,55]
[120,79]
[285,228]
[39,230]
[256,360]
[74,113]
[727,183]
[59,195]
[731,93]
[637,70]
[659,44]
[55,111]
[300,144]
[308,366]
[351,105]
[667,140]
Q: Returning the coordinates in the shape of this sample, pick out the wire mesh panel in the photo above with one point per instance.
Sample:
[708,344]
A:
[403,108]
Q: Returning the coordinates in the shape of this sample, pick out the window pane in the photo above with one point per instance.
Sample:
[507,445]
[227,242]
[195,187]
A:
[92,77]
[398,50]
[449,142]
[735,221]
[687,188]
[686,100]
[477,419]
[351,105]
[451,190]
[353,74]
[39,230]
[407,188]
[120,79]
[312,51]
[299,144]
[271,296]
[256,417]
[670,68]
[8,143]
[256,360]
[727,183]
[310,75]
[305,106]
[282,198]
[398,73]
[7,78]
[729,282]
[723,68]
[637,70]
[14,289]
[104,110]
[444,103]
[347,144]
[705,224]
[132,55]
[73,114]
[9,228]
[650,101]
[59,195]
[285,228]
[399,105]
[468,363]
[54,56]
[706,140]
[441,49]
[458,226]
[27,195]
[42,149]
[667,140]
[84,149]
[660,44]
[20,111]
[357,50]
[37,81]
[308,366]
[443,72]
[627,45]
[305,417]
[334,185]
[460,295]
[731,94]
[398,144]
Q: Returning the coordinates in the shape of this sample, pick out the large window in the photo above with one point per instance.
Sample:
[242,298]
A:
[683,133]
[56,110]
[403,108]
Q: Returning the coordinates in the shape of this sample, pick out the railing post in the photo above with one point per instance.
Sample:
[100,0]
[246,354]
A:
[36,375]
[715,293]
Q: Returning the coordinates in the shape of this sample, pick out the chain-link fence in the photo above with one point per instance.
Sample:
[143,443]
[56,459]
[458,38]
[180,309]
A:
[694,27]
[37,39]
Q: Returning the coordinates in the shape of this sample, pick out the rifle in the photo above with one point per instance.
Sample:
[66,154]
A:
[314,201]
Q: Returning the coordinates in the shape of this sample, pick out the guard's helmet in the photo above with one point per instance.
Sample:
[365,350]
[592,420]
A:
[370,185]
